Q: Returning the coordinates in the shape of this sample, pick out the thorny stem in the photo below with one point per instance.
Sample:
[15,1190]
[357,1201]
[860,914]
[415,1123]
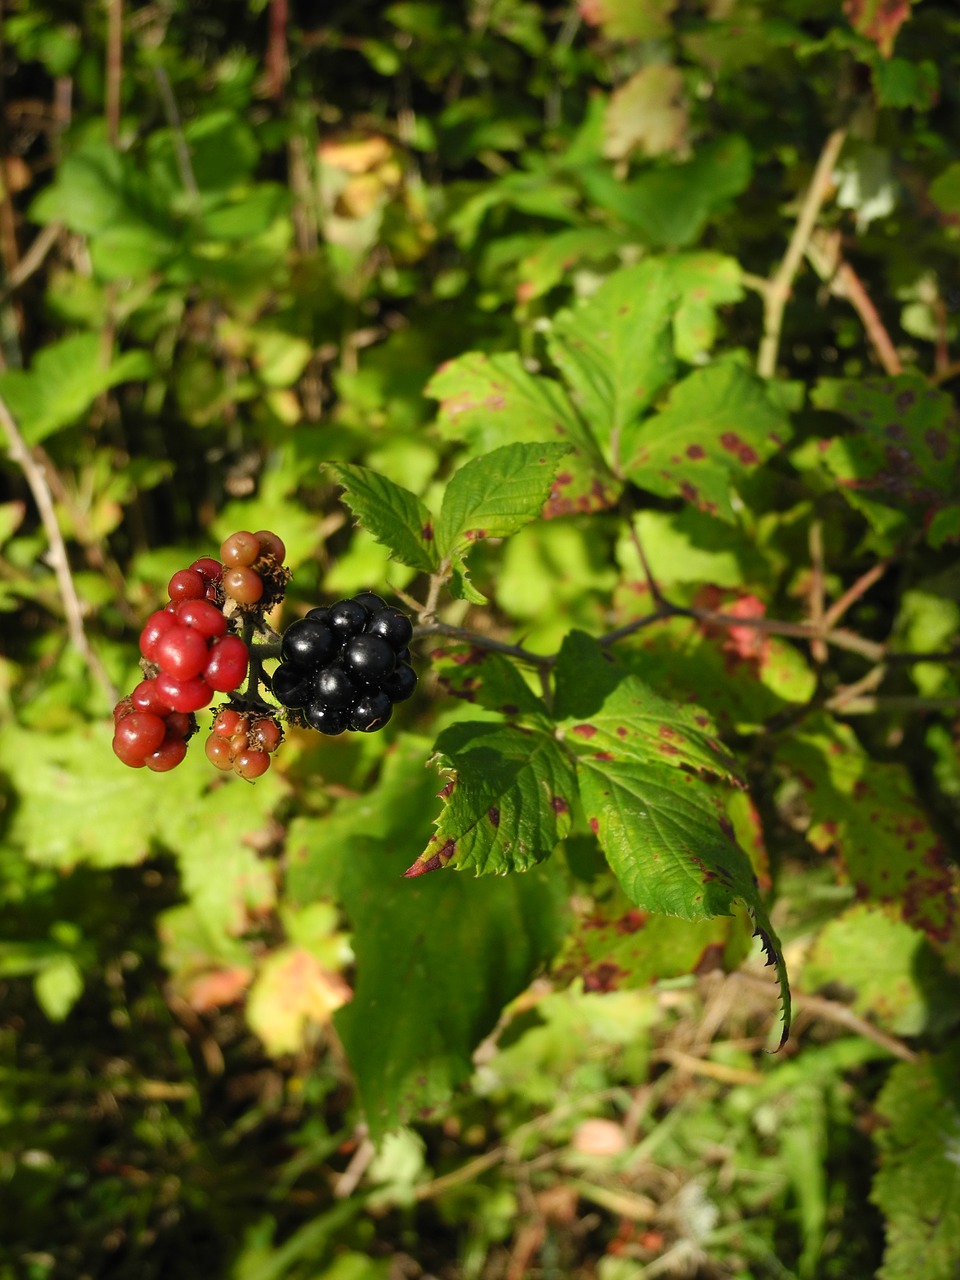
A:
[43,498]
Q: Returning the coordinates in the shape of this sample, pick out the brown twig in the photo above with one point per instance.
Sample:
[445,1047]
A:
[818,650]
[854,592]
[841,279]
[898,702]
[833,1011]
[776,295]
[72,607]
[32,260]
[484,642]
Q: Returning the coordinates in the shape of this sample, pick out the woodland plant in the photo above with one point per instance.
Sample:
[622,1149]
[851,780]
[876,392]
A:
[570,396]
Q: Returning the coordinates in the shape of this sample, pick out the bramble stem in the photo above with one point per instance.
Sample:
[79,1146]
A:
[778,289]
[42,496]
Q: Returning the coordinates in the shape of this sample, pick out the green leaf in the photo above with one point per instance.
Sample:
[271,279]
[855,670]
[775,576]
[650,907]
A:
[491,400]
[718,424]
[495,495]
[670,207]
[395,516]
[76,803]
[627,20]
[905,449]
[556,256]
[601,709]
[895,978]
[63,382]
[868,813]
[614,349]
[670,844]
[437,960]
[917,1187]
[508,798]
[616,947]
[663,827]
[704,281]
[58,987]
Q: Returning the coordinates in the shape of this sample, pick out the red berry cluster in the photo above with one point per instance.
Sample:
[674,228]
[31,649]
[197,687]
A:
[189,652]
[243,741]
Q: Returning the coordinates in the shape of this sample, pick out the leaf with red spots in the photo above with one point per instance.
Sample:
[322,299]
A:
[615,351]
[395,516]
[671,846]
[878,20]
[718,424]
[904,449]
[518,774]
[491,400]
[493,496]
[615,946]
[868,813]
[603,709]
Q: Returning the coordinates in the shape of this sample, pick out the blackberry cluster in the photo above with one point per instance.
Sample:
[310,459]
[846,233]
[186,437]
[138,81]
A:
[344,666]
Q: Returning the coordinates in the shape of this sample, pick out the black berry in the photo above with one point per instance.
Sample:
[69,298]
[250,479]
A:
[400,684]
[308,644]
[333,687]
[347,618]
[391,625]
[369,600]
[326,719]
[370,712]
[368,658]
[320,614]
[291,686]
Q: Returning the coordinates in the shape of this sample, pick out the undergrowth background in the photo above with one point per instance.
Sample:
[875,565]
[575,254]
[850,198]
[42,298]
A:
[270,265]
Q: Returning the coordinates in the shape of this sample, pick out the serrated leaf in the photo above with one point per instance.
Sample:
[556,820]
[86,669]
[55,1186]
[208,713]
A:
[671,846]
[663,827]
[905,449]
[491,497]
[613,715]
[508,799]
[718,424]
[917,1187]
[395,516]
[615,351]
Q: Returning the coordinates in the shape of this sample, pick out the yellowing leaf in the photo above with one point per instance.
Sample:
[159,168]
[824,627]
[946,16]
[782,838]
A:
[291,992]
[647,114]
